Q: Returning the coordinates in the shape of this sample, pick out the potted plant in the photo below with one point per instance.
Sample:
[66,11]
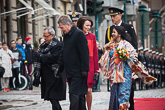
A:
[35,46]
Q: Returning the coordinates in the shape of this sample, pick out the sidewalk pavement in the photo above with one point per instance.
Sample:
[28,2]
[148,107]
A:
[31,99]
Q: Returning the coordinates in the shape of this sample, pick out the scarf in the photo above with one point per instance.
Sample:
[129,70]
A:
[43,49]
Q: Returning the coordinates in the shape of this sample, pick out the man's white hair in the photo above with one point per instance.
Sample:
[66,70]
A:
[50,30]
[64,19]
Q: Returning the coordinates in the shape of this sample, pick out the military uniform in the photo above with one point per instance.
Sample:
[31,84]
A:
[141,59]
[153,65]
[156,70]
[161,69]
[128,27]
[159,84]
[146,57]
[150,65]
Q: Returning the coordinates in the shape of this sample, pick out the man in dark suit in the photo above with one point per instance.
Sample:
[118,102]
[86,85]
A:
[48,67]
[116,15]
[76,62]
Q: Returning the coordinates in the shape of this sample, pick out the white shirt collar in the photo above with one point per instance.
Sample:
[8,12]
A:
[86,33]
[119,23]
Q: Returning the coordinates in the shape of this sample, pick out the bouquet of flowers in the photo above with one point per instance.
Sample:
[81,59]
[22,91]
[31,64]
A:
[122,53]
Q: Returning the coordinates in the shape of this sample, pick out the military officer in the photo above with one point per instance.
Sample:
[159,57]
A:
[116,15]
[150,61]
[146,57]
[161,69]
[142,60]
[74,17]
[140,54]
[150,64]
[157,69]
[153,67]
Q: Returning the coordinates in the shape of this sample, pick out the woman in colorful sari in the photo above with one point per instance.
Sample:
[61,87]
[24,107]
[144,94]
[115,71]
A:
[120,74]
[117,63]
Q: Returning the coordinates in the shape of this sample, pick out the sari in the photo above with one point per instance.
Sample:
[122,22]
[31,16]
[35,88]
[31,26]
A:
[120,71]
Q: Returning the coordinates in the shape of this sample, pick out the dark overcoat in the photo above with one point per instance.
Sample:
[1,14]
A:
[76,60]
[130,30]
[52,87]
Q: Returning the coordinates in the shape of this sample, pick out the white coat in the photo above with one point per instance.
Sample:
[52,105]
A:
[6,62]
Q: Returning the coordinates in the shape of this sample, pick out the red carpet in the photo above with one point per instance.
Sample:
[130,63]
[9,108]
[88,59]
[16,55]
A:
[149,103]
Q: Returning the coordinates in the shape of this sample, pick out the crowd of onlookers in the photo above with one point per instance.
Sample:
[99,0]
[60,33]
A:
[13,59]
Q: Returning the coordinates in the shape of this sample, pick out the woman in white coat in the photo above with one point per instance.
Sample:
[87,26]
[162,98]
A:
[6,56]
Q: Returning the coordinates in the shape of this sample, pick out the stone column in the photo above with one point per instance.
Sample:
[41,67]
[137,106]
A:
[8,22]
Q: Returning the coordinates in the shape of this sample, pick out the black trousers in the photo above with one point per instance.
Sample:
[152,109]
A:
[15,72]
[77,102]
[131,101]
[55,105]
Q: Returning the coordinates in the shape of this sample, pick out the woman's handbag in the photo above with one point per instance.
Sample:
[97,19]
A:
[2,71]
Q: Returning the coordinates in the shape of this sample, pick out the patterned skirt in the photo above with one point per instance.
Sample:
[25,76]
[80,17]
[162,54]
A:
[120,92]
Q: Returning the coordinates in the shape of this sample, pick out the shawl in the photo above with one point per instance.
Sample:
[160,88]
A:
[113,67]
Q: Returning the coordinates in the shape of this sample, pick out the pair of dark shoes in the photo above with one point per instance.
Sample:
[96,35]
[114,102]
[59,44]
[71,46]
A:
[95,90]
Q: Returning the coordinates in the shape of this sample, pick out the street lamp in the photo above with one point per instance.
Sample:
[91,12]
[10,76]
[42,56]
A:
[142,9]
[125,9]
[157,16]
